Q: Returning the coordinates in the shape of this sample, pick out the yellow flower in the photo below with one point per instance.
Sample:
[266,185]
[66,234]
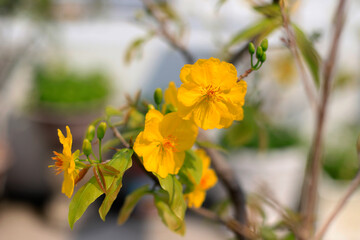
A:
[210,94]
[65,162]
[170,97]
[163,142]
[208,180]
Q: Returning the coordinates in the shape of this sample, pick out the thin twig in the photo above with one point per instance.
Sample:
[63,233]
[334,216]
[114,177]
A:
[245,74]
[120,137]
[314,162]
[164,31]
[308,87]
[230,223]
[229,180]
[340,205]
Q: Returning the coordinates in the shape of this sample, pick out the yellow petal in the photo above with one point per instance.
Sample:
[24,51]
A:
[170,95]
[195,198]
[183,131]
[209,179]
[190,94]
[68,184]
[204,157]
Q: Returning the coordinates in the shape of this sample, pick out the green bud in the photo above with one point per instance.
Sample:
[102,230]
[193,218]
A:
[150,106]
[90,134]
[158,96]
[101,130]
[264,44]
[86,147]
[251,48]
[259,52]
[263,58]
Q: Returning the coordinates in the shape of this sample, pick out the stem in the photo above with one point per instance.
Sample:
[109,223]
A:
[308,87]
[230,223]
[309,197]
[229,180]
[120,137]
[100,157]
[340,205]
[244,75]
[164,31]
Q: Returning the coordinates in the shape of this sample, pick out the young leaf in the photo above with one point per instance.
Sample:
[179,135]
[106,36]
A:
[311,56]
[109,170]
[269,10]
[124,159]
[265,25]
[192,167]
[81,174]
[100,178]
[131,200]
[168,217]
[88,193]
[111,111]
[176,199]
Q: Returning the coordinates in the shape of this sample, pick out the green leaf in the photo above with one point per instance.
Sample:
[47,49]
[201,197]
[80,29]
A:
[131,200]
[262,27]
[267,233]
[168,217]
[176,199]
[136,46]
[124,159]
[191,171]
[111,111]
[311,56]
[270,10]
[88,193]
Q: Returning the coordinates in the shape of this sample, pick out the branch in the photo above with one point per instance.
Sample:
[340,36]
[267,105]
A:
[229,180]
[340,205]
[245,74]
[308,87]
[120,137]
[314,162]
[230,223]
[165,33]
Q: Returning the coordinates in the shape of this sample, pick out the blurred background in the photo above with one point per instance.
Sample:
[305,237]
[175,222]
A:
[63,61]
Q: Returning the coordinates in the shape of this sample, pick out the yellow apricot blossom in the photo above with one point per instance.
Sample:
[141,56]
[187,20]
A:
[210,94]
[208,180]
[170,97]
[65,162]
[163,142]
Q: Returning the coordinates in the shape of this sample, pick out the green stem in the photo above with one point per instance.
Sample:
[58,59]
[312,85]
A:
[100,157]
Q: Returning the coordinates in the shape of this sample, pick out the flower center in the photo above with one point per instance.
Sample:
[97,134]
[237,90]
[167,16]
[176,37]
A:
[169,143]
[212,93]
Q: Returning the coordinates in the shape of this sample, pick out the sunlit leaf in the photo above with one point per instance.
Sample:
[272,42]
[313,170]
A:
[125,162]
[88,193]
[265,25]
[176,199]
[191,171]
[311,56]
[131,200]
[270,10]
[168,217]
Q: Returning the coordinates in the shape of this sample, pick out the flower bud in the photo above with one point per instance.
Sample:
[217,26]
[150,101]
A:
[263,58]
[259,52]
[158,96]
[90,134]
[86,147]
[101,130]
[150,106]
[251,48]
[264,44]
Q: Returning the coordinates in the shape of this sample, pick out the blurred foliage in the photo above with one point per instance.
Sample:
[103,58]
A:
[64,89]
[341,160]
[255,131]
[38,8]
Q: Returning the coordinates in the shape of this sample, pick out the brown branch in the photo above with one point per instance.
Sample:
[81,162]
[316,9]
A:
[230,223]
[120,137]
[309,197]
[340,205]
[308,87]
[229,180]
[165,33]
[245,74]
